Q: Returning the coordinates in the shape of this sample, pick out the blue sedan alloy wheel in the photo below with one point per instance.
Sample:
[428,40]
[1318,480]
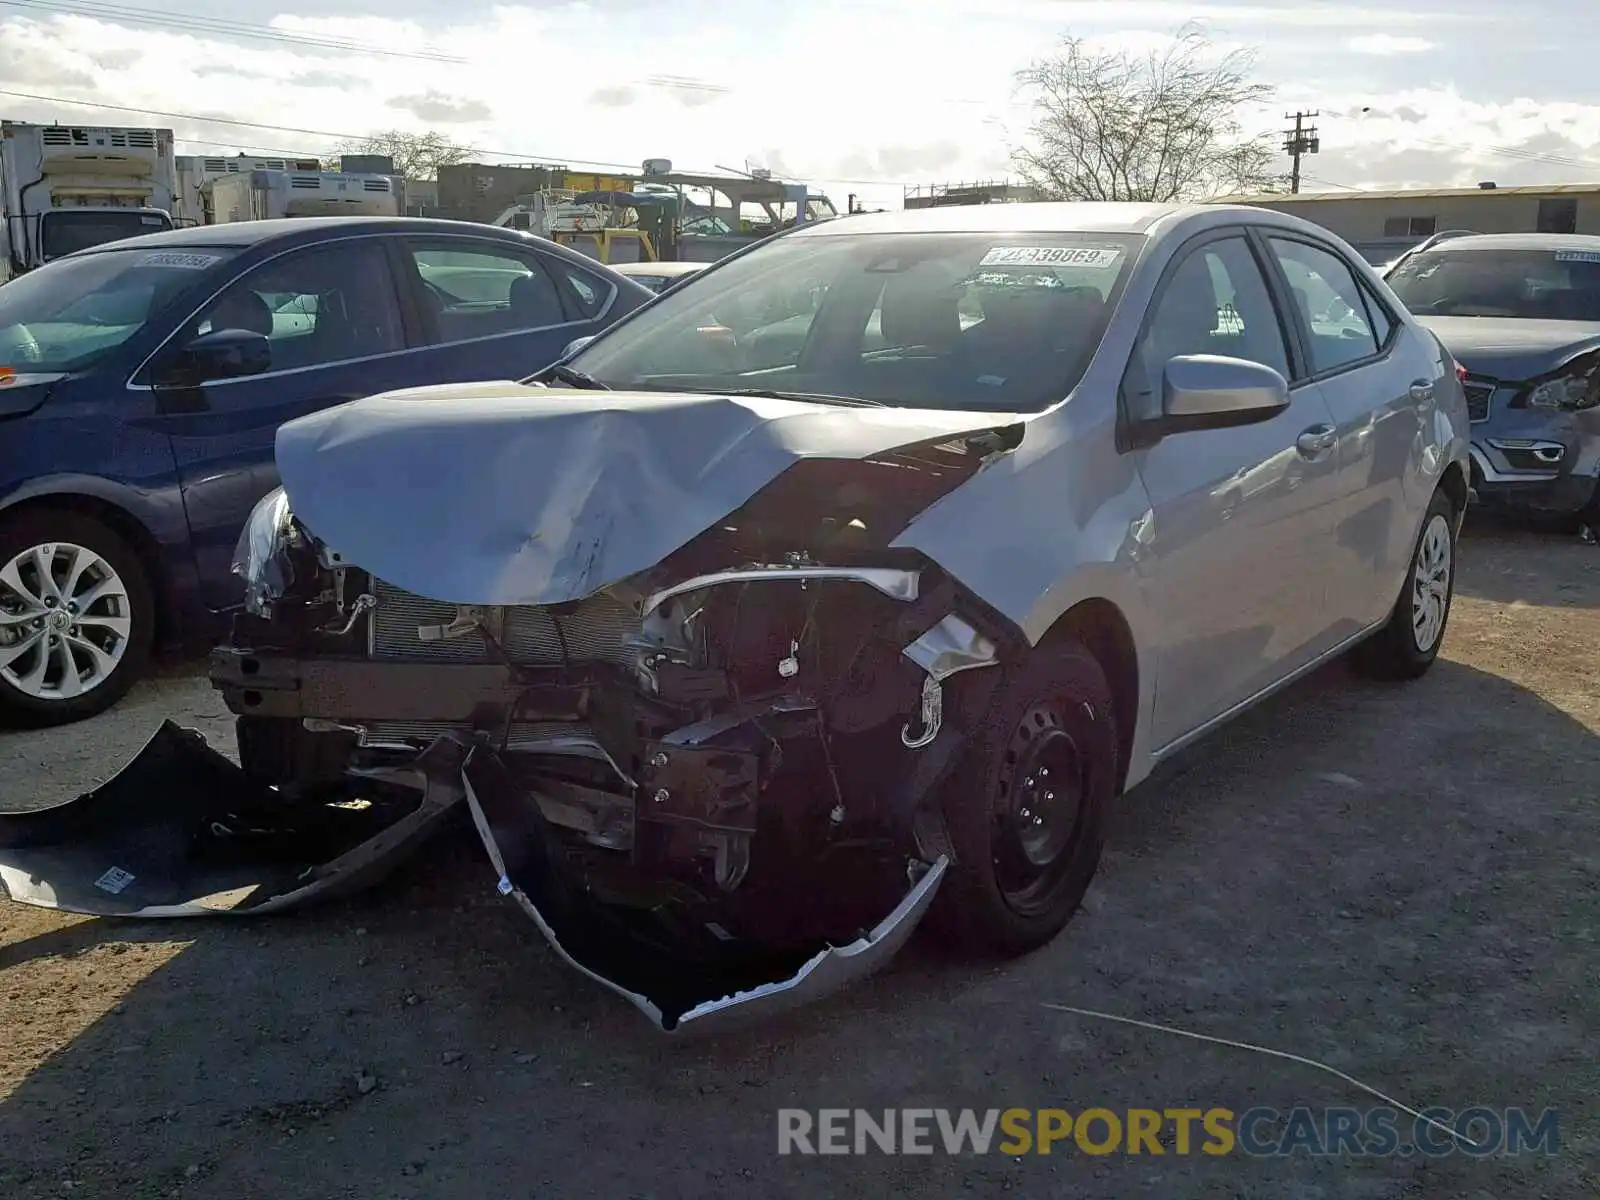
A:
[76,618]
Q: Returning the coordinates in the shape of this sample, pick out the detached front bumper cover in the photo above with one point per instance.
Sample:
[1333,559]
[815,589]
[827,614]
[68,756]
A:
[180,831]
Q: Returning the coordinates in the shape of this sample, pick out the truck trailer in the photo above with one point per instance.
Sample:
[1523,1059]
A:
[69,187]
[267,195]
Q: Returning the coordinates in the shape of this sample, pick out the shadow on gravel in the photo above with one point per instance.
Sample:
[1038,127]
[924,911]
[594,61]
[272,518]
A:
[1563,573]
[1389,878]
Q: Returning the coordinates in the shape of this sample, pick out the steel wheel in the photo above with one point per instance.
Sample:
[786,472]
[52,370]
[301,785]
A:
[65,621]
[1037,805]
[1430,583]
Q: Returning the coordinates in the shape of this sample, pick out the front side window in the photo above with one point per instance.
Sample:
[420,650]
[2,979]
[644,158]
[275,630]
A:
[1215,302]
[1533,284]
[316,306]
[68,315]
[1330,302]
[479,291]
[975,321]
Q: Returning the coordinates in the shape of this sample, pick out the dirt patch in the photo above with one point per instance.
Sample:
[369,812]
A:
[1400,881]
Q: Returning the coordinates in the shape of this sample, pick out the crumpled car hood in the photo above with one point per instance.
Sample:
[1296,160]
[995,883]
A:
[505,494]
[1510,349]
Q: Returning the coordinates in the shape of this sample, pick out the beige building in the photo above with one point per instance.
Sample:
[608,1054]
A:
[1383,224]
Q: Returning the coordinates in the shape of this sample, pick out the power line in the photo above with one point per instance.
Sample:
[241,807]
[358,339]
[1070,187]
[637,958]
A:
[194,23]
[357,137]
[322,133]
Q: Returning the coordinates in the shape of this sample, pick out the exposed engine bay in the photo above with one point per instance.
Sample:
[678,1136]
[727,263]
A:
[715,781]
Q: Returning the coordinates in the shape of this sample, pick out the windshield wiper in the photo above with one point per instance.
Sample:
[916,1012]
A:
[568,375]
[813,397]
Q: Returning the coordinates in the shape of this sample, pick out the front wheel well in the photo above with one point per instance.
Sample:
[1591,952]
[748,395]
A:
[1099,626]
[121,522]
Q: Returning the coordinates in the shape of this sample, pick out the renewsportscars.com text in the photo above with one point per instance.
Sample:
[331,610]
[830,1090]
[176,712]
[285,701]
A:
[1256,1132]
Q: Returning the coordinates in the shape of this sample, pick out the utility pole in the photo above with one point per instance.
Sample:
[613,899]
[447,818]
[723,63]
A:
[1298,141]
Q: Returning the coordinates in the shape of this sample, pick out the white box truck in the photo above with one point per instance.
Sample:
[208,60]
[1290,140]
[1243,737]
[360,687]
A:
[69,187]
[268,195]
[196,170]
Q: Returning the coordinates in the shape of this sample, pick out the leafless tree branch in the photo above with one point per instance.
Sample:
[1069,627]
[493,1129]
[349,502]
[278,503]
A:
[1161,127]
[415,155]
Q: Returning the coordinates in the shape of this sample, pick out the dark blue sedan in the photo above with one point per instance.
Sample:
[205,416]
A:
[142,384]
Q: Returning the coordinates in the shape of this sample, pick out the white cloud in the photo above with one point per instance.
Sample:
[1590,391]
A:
[909,91]
[1385,44]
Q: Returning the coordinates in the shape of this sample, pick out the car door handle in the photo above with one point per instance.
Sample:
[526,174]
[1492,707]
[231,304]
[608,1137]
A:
[1422,389]
[1316,440]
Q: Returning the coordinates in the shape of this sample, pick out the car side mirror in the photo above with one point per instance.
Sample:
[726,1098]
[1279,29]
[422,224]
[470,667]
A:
[220,354]
[1210,391]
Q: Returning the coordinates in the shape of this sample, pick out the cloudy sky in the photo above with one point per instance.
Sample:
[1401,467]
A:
[861,96]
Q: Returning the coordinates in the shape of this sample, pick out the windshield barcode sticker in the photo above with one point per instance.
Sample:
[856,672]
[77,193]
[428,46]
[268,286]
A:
[173,258]
[1589,256]
[1051,256]
[114,881]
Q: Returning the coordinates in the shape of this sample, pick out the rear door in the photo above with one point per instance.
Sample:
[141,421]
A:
[1376,382]
[1232,574]
[491,309]
[332,315]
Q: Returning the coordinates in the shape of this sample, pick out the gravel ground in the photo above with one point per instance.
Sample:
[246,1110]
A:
[1397,881]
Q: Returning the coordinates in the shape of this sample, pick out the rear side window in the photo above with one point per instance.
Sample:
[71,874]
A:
[476,290]
[593,293]
[1330,302]
[1377,315]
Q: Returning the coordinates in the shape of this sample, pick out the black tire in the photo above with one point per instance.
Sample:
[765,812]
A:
[1395,651]
[1008,826]
[36,527]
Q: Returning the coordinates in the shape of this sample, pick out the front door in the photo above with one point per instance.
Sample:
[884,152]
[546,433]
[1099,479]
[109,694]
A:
[332,317]
[1232,571]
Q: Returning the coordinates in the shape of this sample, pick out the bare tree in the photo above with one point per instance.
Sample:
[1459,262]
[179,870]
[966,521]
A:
[1162,127]
[415,155]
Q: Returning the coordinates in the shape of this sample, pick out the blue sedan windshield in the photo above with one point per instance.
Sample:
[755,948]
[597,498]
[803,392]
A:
[66,315]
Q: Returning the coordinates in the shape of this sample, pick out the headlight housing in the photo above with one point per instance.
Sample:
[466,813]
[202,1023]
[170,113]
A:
[1575,389]
[259,558]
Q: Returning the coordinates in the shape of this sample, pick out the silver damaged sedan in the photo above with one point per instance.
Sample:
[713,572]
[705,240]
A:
[850,582]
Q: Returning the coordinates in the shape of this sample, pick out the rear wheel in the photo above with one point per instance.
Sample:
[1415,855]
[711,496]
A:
[77,619]
[1407,646]
[1027,807]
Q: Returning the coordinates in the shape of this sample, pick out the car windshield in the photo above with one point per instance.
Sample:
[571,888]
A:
[67,232]
[977,321]
[1551,285]
[67,314]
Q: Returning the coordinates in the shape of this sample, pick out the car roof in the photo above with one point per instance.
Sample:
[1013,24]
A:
[1044,217]
[1519,241]
[241,234]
